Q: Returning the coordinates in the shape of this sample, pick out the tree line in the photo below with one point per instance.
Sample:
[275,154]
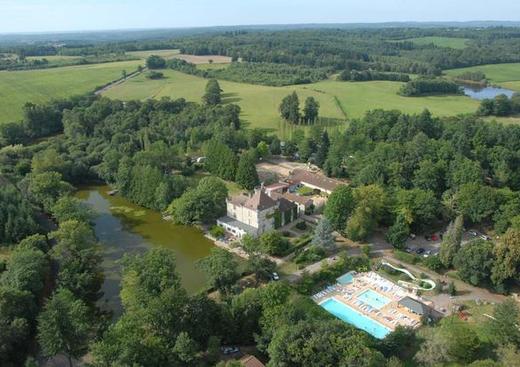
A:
[427,86]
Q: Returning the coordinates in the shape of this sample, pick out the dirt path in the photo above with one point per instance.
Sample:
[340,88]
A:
[119,81]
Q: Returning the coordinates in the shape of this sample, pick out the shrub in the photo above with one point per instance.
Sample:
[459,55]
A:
[310,255]
[154,75]
[434,263]
[302,226]
[406,257]
[273,243]
[217,232]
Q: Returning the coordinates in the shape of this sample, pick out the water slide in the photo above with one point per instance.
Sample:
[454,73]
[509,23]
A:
[413,277]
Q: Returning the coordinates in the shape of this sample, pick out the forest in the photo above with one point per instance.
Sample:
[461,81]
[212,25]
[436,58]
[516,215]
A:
[406,174]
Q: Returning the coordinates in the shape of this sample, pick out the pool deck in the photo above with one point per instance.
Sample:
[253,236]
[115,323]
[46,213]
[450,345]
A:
[390,315]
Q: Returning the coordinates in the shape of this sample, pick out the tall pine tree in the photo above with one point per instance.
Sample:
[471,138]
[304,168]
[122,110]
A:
[290,108]
[212,96]
[247,177]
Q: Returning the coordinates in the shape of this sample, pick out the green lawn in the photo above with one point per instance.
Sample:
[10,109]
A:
[506,75]
[260,103]
[38,86]
[451,42]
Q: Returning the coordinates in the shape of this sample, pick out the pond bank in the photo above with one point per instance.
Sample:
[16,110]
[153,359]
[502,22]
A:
[125,228]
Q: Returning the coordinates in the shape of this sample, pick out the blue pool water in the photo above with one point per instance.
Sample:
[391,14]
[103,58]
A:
[373,299]
[353,317]
[345,278]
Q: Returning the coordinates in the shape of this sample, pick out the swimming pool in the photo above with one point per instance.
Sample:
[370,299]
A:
[353,317]
[345,278]
[373,299]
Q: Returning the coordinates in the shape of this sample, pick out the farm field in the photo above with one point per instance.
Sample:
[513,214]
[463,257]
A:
[163,53]
[170,54]
[54,57]
[507,75]
[451,42]
[508,120]
[38,86]
[260,103]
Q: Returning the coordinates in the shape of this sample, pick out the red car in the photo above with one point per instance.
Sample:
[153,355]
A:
[435,237]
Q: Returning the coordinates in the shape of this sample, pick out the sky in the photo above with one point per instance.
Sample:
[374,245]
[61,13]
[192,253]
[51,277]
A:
[71,15]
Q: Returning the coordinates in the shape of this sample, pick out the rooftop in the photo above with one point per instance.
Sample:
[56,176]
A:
[415,306]
[251,361]
[258,201]
[276,186]
[237,224]
[314,179]
[293,198]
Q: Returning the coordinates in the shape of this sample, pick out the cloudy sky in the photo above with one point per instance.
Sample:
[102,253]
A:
[67,15]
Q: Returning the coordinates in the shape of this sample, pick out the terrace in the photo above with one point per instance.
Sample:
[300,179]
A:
[375,298]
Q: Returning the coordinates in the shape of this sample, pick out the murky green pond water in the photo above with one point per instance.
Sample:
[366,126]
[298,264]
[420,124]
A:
[123,227]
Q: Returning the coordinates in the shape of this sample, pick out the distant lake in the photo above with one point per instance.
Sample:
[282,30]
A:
[486,92]
[125,228]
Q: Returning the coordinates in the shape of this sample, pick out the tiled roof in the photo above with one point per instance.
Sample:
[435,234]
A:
[293,198]
[285,205]
[315,179]
[251,361]
[260,201]
[276,186]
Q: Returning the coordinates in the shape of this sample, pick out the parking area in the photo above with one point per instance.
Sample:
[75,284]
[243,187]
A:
[430,244]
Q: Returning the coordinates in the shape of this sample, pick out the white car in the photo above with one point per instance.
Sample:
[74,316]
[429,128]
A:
[275,276]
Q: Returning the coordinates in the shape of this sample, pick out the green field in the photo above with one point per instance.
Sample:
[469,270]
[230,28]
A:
[163,53]
[38,86]
[260,103]
[451,42]
[54,58]
[506,75]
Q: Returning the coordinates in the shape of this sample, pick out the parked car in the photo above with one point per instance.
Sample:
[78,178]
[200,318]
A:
[275,276]
[427,253]
[409,250]
[230,350]
[473,232]
[484,237]
[419,251]
[434,237]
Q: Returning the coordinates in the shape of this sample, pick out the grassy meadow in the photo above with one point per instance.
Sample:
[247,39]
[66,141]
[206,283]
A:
[506,75]
[451,42]
[38,86]
[167,54]
[260,103]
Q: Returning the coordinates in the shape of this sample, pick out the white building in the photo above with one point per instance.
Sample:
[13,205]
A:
[256,214]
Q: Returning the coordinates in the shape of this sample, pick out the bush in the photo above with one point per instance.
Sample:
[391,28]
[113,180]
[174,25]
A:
[273,243]
[406,257]
[154,75]
[434,263]
[305,191]
[302,226]
[217,232]
[452,291]
[155,62]
[310,255]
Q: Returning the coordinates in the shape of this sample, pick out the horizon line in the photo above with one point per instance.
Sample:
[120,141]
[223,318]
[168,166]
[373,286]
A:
[137,29]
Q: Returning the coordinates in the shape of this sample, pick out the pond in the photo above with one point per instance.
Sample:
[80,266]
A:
[481,93]
[125,228]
